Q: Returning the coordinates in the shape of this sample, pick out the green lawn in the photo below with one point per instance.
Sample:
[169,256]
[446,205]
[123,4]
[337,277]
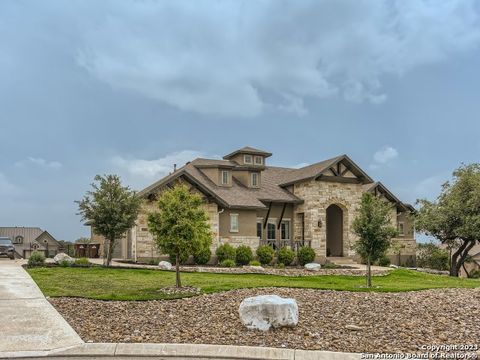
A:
[139,284]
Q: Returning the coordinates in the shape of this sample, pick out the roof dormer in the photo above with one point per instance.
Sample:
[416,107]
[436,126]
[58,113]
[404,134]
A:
[248,156]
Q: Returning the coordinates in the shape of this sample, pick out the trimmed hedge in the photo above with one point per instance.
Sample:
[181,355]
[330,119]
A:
[229,263]
[265,254]
[305,255]
[286,256]
[243,255]
[225,252]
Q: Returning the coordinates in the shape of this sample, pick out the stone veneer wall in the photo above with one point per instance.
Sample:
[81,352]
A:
[318,196]
[145,248]
[251,241]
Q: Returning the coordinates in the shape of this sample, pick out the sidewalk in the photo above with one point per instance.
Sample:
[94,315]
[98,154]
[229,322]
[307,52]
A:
[28,322]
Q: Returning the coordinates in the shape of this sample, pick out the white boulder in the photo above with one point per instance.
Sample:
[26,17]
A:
[61,257]
[265,311]
[165,265]
[313,267]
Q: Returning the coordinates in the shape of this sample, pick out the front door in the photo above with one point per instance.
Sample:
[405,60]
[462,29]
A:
[334,231]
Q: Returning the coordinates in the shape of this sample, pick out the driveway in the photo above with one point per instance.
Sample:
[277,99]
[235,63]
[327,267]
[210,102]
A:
[27,320]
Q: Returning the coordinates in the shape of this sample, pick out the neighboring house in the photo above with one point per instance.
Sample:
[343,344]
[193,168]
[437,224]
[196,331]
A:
[250,203]
[29,239]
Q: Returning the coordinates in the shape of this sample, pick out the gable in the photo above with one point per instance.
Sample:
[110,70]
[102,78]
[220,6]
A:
[344,170]
[45,238]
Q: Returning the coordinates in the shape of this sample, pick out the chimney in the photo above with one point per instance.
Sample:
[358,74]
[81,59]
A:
[174,167]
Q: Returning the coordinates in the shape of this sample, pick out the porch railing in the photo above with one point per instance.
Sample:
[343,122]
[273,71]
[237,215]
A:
[293,244]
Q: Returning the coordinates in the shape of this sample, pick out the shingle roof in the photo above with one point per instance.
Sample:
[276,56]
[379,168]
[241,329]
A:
[248,150]
[29,234]
[274,181]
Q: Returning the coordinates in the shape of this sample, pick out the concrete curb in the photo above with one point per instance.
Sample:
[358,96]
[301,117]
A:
[179,351]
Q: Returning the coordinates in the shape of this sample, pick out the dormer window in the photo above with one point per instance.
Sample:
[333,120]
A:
[225,177]
[258,160]
[247,159]
[254,179]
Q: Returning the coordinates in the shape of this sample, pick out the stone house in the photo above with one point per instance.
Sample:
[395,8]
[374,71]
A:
[251,203]
[29,239]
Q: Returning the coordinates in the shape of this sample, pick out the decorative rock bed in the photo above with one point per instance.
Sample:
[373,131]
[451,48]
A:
[289,271]
[328,320]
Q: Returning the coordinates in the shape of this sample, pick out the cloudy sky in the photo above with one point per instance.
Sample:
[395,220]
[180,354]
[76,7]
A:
[132,87]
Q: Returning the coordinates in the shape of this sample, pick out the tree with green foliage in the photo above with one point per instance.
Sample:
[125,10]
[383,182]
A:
[180,227]
[454,217]
[374,229]
[111,209]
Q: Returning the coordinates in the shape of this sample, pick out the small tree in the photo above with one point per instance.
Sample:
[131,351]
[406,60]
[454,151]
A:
[454,218]
[181,226]
[111,209]
[374,229]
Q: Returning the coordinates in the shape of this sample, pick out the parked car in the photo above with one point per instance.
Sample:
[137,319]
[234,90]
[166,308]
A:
[7,248]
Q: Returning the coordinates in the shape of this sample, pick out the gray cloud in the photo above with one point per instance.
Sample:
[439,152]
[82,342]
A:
[141,172]
[40,162]
[219,59]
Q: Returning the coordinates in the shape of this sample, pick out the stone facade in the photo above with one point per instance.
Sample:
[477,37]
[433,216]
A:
[318,196]
[249,203]
[142,242]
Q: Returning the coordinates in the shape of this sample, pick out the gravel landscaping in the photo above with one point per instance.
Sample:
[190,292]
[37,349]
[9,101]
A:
[329,320]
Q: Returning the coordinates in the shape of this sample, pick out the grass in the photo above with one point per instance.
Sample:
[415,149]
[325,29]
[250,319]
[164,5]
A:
[141,284]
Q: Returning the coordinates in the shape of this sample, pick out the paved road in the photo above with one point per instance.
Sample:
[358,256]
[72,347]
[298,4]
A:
[27,320]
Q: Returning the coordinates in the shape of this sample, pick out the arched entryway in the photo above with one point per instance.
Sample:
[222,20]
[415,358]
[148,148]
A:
[334,231]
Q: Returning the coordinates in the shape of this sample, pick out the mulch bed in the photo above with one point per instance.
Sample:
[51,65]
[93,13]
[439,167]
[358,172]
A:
[390,322]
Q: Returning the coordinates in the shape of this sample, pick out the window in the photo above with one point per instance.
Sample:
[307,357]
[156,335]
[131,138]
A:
[258,160]
[254,179]
[225,177]
[247,159]
[18,240]
[401,229]
[271,235]
[233,222]
[285,229]
[260,228]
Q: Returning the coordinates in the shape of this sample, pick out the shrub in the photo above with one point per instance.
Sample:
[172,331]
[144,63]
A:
[280,265]
[265,254]
[202,256]
[82,262]
[64,263]
[36,259]
[183,259]
[384,261]
[243,255]
[227,263]
[224,252]
[286,256]
[255,263]
[330,265]
[305,255]
[431,256]
[474,274]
